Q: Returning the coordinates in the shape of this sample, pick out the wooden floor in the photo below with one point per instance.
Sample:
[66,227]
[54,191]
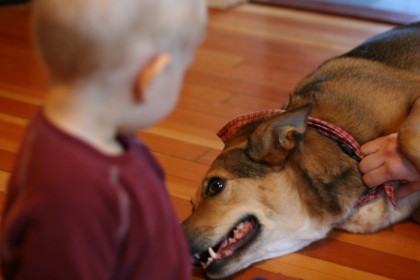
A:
[252,58]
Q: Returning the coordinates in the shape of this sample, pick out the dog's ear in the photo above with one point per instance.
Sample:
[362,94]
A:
[273,140]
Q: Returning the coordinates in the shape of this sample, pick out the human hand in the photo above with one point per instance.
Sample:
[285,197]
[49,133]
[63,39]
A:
[384,162]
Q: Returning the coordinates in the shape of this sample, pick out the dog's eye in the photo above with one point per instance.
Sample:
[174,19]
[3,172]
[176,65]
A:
[215,186]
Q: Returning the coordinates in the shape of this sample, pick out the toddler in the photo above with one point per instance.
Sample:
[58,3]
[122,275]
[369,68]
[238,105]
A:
[87,199]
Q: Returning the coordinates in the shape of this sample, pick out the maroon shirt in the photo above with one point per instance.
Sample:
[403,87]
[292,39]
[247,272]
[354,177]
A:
[75,213]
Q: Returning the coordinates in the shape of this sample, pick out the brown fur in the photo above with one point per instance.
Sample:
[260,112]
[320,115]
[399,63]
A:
[297,183]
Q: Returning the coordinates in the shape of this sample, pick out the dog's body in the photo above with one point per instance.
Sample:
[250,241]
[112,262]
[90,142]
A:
[282,185]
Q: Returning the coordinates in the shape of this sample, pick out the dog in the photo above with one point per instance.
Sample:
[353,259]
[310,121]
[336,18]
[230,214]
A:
[280,183]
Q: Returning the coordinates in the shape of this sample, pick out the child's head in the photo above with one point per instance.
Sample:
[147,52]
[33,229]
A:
[83,38]
[142,44]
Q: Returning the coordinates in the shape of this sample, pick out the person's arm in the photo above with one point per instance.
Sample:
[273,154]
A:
[384,162]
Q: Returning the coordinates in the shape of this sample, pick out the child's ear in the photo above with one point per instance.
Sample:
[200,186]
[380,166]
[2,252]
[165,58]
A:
[149,72]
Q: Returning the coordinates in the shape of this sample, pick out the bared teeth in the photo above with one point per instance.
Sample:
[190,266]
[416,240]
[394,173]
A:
[226,248]
[212,253]
[209,259]
[240,226]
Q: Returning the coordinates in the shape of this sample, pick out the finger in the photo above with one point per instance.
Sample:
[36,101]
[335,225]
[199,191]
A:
[371,162]
[390,171]
[376,144]
[376,177]
[372,146]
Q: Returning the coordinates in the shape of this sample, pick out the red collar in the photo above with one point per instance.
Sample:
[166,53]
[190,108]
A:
[347,142]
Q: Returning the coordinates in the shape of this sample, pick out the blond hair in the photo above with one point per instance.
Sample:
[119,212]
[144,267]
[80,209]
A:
[82,38]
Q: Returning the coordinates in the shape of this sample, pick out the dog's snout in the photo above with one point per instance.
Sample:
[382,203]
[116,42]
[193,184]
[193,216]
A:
[197,237]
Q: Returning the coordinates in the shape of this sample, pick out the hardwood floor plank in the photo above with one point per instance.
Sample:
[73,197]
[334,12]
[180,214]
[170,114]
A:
[196,119]
[24,92]
[407,228]
[374,262]
[384,241]
[24,71]
[306,267]
[205,93]
[237,86]
[301,33]
[164,145]
[215,61]
[17,109]
[182,207]
[190,135]
[7,160]
[182,168]
[4,177]
[208,157]
[11,130]
[181,187]
[24,99]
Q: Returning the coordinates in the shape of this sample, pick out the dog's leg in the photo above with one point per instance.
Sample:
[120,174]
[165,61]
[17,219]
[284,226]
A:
[409,135]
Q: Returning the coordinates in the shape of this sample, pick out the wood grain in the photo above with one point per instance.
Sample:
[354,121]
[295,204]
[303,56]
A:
[252,58]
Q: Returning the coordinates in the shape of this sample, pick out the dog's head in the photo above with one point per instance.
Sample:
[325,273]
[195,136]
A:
[253,203]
